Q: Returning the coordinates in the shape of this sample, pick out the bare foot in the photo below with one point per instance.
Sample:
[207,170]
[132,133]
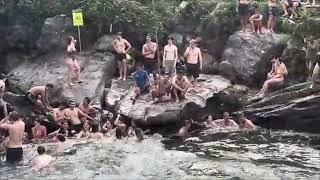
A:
[124,78]
[120,78]
[71,84]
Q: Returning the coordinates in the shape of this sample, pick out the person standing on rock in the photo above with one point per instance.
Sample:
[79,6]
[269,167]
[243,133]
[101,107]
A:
[72,63]
[194,62]
[272,15]
[277,78]
[149,50]
[256,22]
[121,47]
[39,96]
[170,56]
[243,9]
[15,127]
[142,82]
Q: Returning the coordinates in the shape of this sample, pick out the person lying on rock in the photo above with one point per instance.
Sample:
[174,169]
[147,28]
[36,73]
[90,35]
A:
[245,123]
[72,62]
[87,108]
[194,62]
[256,21]
[63,130]
[3,104]
[43,160]
[142,82]
[58,113]
[39,96]
[180,85]
[74,115]
[277,78]
[85,132]
[162,88]
[226,122]
[184,130]
[39,132]
[290,5]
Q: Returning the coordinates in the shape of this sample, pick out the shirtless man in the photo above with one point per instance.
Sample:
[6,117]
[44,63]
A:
[291,5]
[15,127]
[58,113]
[39,133]
[170,56]
[243,9]
[245,123]
[272,15]
[86,107]
[256,22]
[194,62]
[121,46]
[226,121]
[42,92]
[74,114]
[2,103]
[149,50]
[184,130]
[163,87]
[43,160]
[277,78]
[180,86]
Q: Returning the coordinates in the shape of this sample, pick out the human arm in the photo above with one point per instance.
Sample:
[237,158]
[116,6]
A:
[56,119]
[44,132]
[200,59]
[80,113]
[80,135]
[164,55]
[33,130]
[186,53]
[3,124]
[144,52]
[128,45]
[46,103]
[175,57]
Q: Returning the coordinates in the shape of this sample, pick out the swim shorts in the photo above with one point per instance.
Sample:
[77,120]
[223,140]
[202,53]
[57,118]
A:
[77,128]
[14,155]
[120,56]
[169,66]
[150,64]
[193,70]
[272,11]
[243,9]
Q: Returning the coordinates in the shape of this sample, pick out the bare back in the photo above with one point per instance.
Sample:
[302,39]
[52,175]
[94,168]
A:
[39,90]
[16,133]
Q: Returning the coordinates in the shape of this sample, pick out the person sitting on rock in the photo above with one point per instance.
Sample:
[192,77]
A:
[184,130]
[280,71]
[39,132]
[256,22]
[96,134]
[85,132]
[58,113]
[74,115]
[290,5]
[245,123]
[87,108]
[163,87]
[142,82]
[180,84]
[39,96]
[226,122]
[43,160]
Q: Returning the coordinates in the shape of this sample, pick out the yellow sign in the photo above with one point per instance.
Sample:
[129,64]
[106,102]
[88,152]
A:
[77,17]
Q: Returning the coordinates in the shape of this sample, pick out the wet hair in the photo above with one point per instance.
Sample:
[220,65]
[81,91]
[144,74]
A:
[95,128]
[69,39]
[41,150]
[139,134]
[72,102]
[87,99]
[14,116]
[119,33]
[118,133]
[63,103]
[49,85]
[61,138]
[170,38]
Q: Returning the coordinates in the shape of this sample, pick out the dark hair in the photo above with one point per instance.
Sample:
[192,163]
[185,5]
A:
[69,39]
[150,35]
[139,64]
[170,38]
[87,99]
[61,138]
[187,122]
[63,103]
[14,116]
[95,128]
[41,150]
[118,133]
[139,134]
[119,33]
[50,86]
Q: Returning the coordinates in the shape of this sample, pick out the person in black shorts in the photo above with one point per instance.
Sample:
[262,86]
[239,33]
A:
[272,15]
[149,50]
[243,9]
[290,6]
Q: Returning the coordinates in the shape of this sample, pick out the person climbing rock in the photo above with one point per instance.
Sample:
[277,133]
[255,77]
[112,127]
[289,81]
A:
[121,47]
[39,96]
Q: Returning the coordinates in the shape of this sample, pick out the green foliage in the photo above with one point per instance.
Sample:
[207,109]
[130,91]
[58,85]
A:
[284,39]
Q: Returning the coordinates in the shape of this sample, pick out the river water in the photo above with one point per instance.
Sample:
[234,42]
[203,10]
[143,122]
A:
[259,154]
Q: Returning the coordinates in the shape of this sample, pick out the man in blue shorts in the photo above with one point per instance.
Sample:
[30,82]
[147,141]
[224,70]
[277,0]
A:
[142,82]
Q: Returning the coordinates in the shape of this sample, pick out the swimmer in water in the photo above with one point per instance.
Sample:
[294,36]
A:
[226,122]
[208,123]
[96,134]
[85,132]
[39,132]
[43,160]
[245,123]
[59,144]
[183,131]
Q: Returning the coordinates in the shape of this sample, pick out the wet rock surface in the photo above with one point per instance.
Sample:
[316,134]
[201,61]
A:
[146,112]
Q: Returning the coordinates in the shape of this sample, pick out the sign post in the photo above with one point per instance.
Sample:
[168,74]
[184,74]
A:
[78,21]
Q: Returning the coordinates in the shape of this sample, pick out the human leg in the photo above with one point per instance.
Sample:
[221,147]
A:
[77,68]
[119,63]
[70,71]
[124,67]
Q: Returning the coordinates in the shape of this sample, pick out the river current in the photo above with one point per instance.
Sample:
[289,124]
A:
[258,154]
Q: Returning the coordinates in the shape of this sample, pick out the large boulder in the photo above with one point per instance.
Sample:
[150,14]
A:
[104,44]
[97,69]
[54,34]
[247,56]
[210,64]
[144,111]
